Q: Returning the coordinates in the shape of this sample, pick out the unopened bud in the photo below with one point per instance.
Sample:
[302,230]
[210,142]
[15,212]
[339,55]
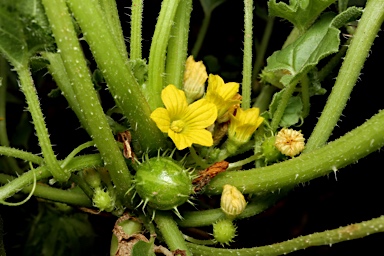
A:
[232,201]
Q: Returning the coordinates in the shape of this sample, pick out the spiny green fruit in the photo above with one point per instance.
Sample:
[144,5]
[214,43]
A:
[162,183]
[224,231]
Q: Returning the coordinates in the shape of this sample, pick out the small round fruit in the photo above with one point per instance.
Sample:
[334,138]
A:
[224,231]
[162,183]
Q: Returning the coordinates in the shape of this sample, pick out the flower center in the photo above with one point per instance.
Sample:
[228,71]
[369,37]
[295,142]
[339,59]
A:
[177,126]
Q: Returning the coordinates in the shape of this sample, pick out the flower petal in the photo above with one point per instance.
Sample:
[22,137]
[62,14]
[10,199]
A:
[161,118]
[181,141]
[201,137]
[174,100]
[200,114]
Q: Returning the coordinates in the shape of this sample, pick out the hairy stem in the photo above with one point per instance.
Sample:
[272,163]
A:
[72,196]
[17,153]
[170,232]
[136,21]
[208,217]
[346,150]
[247,57]
[329,237]
[178,45]
[86,95]
[120,80]
[283,104]
[369,25]
[111,16]
[157,54]
[78,163]
[29,91]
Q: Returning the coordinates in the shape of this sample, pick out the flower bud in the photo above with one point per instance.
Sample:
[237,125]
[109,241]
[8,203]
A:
[195,76]
[232,201]
[289,142]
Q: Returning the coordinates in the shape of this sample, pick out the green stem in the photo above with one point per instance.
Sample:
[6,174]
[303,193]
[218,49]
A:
[202,32]
[261,50]
[57,70]
[247,57]
[136,22]
[245,161]
[12,167]
[78,163]
[198,161]
[346,233]
[283,104]
[111,16]
[157,54]
[170,232]
[337,154]
[369,25]
[29,91]
[208,217]
[333,62]
[71,196]
[75,152]
[263,100]
[85,93]
[80,182]
[121,82]
[17,153]
[178,45]
[305,95]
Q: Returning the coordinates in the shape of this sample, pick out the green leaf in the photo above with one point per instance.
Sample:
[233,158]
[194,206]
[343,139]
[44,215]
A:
[292,113]
[12,41]
[298,58]
[351,14]
[142,248]
[302,13]
[24,30]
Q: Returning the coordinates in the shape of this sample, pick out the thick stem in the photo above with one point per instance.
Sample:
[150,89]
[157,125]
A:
[178,45]
[157,54]
[111,15]
[247,57]
[29,91]
[121,82]
[353,231]
[86,95]
[346,150]
[57,70]
[170,232]
[369,25]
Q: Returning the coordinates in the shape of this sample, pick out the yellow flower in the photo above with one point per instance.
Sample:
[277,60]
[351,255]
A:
[289,142]
[223,95]
[195,76]
[243,125]
[185,124]
[232,201]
